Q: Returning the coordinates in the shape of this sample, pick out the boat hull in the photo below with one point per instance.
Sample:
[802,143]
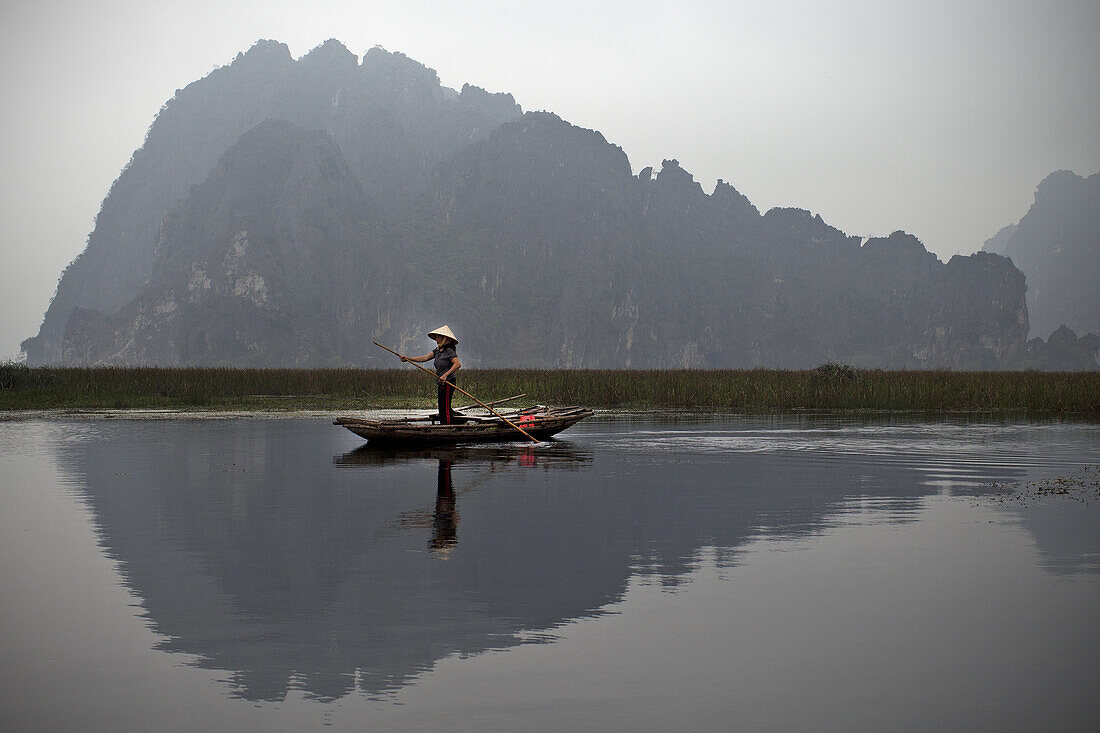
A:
[404,432]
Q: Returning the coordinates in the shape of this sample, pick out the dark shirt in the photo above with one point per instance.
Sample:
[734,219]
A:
[444,356]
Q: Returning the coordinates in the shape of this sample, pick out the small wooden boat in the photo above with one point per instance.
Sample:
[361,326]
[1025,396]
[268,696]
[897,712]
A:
[539,422]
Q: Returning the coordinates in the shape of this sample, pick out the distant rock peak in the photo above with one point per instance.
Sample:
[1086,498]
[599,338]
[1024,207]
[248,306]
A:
[1063,351]
[1057,246]
[377,58]
[1056,183]
[901,244]
[332,52]
[501,102]
[263,52]
[733,199]
[673,177]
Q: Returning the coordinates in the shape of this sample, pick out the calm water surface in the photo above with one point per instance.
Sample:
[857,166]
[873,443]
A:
[693,573]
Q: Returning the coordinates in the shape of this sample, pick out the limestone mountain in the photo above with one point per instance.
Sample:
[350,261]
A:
[248,266]
[329,203]
[1063,351]
[596,267]
[1057,246]
[389,115]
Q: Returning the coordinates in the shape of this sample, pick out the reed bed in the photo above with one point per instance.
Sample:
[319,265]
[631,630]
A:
[829,387]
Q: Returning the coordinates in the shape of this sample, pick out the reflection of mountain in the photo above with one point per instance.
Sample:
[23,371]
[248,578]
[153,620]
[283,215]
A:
[254,548]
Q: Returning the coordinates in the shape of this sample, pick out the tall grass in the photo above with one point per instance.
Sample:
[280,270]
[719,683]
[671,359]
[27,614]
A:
[752,390]
[768,390]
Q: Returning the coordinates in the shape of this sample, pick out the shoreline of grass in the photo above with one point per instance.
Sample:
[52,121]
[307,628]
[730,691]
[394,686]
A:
[830,388]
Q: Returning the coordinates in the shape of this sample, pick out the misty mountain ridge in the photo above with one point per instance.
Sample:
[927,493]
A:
[287,213]
[390,115]
[1057,245]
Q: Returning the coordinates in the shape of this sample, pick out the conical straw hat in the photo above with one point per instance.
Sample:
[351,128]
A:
[443,331]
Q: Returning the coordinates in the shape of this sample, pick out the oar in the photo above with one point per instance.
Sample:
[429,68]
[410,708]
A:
[494,402]
[475,399]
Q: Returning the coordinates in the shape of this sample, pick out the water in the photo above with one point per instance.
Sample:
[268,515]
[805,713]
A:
[687,573]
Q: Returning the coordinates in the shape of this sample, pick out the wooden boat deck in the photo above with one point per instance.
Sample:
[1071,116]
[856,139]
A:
[539,422]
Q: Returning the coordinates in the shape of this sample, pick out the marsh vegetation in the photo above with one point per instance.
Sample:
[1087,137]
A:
[829,387]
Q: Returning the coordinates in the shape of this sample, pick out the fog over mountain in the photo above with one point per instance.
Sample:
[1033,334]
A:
[1057,246]
[289,212]
[390,114]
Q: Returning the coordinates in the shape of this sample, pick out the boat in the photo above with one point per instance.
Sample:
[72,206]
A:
[539,422]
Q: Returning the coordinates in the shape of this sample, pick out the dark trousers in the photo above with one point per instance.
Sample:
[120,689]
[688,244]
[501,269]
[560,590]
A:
[446,390]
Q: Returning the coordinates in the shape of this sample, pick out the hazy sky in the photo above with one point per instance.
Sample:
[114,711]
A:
[938,118]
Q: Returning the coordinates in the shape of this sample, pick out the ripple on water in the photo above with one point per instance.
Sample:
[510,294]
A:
[948,454]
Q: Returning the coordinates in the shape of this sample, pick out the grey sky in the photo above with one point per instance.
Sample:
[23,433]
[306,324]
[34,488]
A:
[938,118]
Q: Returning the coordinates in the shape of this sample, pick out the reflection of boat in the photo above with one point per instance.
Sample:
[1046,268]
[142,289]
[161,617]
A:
[539,422]
[525,454]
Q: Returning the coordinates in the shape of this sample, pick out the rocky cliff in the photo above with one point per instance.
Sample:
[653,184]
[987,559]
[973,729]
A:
[1063,351]
[1057,246]
[379,204]
[389,115]
[249,265]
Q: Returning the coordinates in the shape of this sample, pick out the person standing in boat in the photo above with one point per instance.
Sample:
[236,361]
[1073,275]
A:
[446,360]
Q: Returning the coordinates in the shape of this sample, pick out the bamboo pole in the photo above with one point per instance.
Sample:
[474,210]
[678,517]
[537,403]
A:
[475,399]
[494,402]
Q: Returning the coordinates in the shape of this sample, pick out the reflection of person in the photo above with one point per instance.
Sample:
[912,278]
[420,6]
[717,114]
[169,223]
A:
[445,519]
[446,360]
